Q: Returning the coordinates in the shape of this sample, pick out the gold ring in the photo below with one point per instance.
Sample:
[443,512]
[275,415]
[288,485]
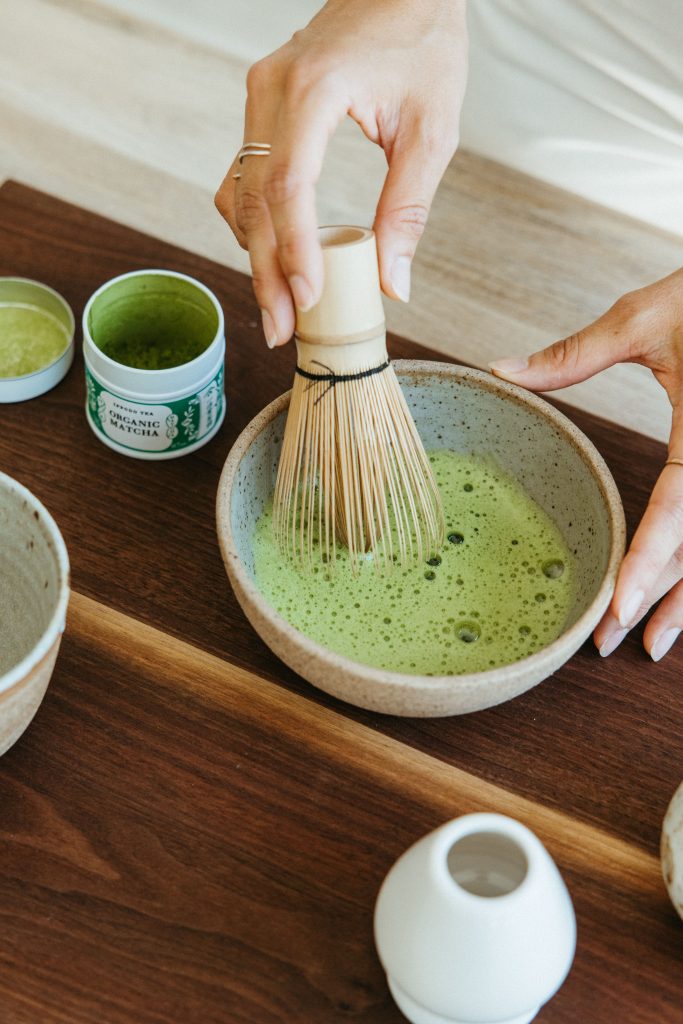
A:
[674,462]
[253,149]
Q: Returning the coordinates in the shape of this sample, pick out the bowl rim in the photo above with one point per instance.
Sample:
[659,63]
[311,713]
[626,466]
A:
[55,627]
[571,638]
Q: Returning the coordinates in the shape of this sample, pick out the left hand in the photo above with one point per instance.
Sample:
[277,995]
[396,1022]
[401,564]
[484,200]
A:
[644,326]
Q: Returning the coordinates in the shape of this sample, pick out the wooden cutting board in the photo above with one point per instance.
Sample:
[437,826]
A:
[190,832]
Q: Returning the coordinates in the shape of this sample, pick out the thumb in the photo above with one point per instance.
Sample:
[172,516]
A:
[610,339]
[416,166]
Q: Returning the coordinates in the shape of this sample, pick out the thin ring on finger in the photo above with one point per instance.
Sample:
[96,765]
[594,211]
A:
[251,149]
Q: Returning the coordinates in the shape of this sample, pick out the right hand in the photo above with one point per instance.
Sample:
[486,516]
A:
[398,68]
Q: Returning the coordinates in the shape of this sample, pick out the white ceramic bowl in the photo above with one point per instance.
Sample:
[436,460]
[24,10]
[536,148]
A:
[23,292]
[467,411]
[34,593]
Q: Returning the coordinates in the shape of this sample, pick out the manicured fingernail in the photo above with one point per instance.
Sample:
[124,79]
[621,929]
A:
[612,642]
[664,643]
[630,608]
[302,292]
[509,367]
[400,277]
[269,328]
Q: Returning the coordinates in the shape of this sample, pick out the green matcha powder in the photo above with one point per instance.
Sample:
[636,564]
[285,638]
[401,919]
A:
[30,339]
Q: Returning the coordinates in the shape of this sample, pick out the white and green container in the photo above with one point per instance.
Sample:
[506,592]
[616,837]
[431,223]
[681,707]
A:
[36,338]
[154,350]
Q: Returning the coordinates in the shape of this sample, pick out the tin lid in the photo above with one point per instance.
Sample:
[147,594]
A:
[36,338]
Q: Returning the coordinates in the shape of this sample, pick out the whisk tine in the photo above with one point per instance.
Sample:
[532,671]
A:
[353,469]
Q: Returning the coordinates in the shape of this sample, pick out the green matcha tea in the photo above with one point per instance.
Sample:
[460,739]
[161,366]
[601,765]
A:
[30,339]
[500,589]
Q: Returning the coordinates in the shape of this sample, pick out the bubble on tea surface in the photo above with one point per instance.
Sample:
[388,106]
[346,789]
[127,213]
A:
[553,568]
[468,632]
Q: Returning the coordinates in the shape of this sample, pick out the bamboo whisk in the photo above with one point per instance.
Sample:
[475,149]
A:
[352,470]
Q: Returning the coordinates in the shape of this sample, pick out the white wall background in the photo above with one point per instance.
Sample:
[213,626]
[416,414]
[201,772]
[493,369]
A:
[585,94]
[247,29]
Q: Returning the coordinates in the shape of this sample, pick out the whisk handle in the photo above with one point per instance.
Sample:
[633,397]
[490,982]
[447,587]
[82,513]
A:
[350,309]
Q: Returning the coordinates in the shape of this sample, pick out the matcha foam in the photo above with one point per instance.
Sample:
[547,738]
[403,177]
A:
[30,339]
[500,589]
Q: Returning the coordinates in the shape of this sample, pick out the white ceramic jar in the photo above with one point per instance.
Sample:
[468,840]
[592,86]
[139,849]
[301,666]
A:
[474,924]
[154,413]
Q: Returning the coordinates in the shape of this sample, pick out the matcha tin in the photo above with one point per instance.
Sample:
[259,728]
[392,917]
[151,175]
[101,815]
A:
[154,348]
[36,338]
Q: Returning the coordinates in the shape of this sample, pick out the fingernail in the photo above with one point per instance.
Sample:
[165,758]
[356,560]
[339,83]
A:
[302,292]
[269,328]
[664,643]
[612,642]
[630,608]
[509,367]
[400,277]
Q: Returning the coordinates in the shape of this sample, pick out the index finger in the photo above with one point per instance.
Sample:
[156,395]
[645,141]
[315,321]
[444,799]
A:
[658,537]
[306,121]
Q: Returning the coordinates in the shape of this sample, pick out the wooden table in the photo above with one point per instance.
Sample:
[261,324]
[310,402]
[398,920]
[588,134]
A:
[188,831]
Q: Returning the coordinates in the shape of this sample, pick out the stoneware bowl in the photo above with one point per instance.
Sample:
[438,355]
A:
[34,592]
[466,411]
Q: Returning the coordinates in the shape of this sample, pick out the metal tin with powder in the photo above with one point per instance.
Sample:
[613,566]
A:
[154,347]
[500,589]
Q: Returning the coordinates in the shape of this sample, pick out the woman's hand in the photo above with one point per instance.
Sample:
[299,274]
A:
[398,68]
[645,326]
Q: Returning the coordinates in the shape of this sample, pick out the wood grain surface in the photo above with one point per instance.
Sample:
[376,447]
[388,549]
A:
[188,831]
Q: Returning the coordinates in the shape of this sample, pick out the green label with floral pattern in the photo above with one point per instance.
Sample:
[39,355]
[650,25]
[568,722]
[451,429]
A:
[155,427]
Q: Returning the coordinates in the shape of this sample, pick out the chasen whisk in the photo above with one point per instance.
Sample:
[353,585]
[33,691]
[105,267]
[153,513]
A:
[353,470]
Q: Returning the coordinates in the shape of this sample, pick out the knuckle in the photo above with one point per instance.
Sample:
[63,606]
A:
[299,79]
[628,306]
[677,562]
[281,184]
[220,203]
[410,219]
[310,73]
[250,207]
[289,250]
[438,138]
[670,517]
[259,283]
[566,353]
[259,76]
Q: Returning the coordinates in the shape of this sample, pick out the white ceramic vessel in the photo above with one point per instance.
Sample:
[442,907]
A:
[474,924]
[34,593]
[462,410]
[672,850]
[23,293]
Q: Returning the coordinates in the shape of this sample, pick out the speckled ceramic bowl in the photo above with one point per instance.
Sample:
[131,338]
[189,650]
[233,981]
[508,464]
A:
[34,593]
[466,411]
